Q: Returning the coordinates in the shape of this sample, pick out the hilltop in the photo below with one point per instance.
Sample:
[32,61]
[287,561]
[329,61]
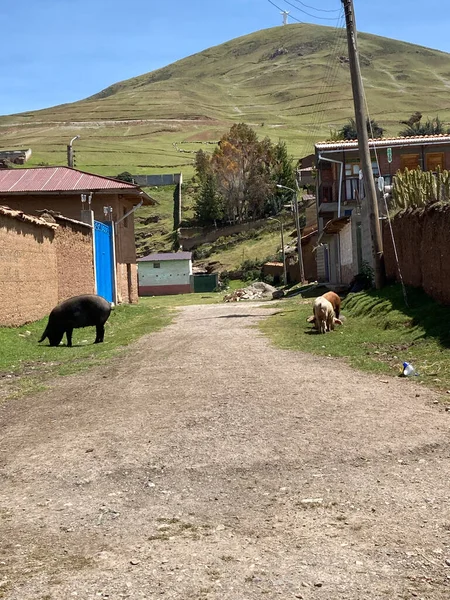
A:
[290,82]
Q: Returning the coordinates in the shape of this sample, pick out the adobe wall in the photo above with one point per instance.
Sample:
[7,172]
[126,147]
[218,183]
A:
[126,271]
[422,237]
[28,271]
[75,260]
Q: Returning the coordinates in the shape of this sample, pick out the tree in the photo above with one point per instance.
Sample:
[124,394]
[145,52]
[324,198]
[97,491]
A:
[283,173]
[348,131]
[125,176]
[430,127]
[209,205]
[244,172]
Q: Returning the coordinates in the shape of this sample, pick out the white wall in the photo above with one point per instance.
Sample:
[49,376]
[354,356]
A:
[170,272]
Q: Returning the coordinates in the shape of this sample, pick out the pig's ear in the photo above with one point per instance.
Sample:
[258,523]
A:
[337,321]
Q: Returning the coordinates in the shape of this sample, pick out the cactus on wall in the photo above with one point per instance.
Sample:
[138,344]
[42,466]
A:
[417,188]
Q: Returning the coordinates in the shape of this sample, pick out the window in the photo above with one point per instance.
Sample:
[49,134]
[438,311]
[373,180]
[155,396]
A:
[156,265]
[352,168]
[409,161]
[435,160]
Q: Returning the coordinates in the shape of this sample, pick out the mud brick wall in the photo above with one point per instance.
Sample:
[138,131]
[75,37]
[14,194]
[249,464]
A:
[28,271]
[75,260]
[422,237]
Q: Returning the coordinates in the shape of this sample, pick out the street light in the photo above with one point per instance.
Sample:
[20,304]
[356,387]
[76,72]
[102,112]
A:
[299,234]
[282,248]
[70,151]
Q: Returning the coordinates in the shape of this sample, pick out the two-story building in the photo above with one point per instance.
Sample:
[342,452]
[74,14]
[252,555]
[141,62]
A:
[344,241]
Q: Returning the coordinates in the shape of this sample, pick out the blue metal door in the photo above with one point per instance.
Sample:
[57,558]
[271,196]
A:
[104,268]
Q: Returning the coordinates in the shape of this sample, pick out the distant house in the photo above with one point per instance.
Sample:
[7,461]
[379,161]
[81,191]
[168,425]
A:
[70,191]
[165,273]
[344,240]
[17,157]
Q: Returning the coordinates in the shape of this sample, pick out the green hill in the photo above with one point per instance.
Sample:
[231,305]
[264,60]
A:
[290,82]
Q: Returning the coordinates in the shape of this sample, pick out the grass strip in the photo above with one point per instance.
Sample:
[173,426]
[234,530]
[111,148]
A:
[379,333]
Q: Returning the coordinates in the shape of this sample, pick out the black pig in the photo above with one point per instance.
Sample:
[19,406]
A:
[79,311]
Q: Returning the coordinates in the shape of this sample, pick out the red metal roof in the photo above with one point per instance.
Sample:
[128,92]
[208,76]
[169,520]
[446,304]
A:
[57,179]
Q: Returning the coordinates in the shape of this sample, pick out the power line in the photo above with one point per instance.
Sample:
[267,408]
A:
[318,9]
[309,14]
[281,10]
[328,82]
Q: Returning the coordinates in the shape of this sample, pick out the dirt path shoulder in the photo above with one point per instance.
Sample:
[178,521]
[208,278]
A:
[207,464]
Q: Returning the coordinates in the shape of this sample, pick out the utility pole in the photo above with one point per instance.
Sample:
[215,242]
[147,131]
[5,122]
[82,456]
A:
[282,249]
[70,160]
[299,233]
[299,239]
[363,143]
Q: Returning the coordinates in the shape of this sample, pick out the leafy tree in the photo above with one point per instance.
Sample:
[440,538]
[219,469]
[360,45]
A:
[430,127]
[201,165]
[348,131]
[125,176]
[283,173]
[243,172]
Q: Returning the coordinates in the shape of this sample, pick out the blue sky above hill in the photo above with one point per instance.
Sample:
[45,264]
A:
[59,51]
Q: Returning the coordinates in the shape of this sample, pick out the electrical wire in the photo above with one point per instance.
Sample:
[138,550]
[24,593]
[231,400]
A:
[281,10]
[328,83]
[309,14]
[318,9]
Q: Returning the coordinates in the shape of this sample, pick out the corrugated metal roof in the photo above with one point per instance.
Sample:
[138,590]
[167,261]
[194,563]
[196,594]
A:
[385,142]
[158,257]
[57,179]
[21,216]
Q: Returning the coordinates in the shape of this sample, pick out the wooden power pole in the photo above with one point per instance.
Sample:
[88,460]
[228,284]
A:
[363,143]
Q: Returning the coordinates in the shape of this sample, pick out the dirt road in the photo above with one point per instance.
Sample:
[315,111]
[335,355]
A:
[208,465]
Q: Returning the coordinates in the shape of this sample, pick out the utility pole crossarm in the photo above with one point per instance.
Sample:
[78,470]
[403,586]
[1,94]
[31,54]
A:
[363,142]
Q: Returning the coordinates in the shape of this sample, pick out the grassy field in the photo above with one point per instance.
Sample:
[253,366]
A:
[25,365]
[378,335]
[290,83]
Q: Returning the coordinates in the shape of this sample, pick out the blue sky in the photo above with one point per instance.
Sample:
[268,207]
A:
[57,51]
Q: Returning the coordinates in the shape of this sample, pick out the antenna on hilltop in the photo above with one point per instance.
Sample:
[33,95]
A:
[285,16]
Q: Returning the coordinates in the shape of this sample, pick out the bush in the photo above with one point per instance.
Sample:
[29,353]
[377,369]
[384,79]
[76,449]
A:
[251,269]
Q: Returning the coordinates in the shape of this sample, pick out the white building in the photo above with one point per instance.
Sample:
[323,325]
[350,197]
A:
[165,273]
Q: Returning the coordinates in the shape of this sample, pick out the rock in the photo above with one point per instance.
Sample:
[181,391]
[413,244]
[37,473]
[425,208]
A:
[311,501]
[277,294]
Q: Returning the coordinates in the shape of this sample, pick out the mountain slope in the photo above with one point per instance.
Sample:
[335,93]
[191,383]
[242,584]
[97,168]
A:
[290,82]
